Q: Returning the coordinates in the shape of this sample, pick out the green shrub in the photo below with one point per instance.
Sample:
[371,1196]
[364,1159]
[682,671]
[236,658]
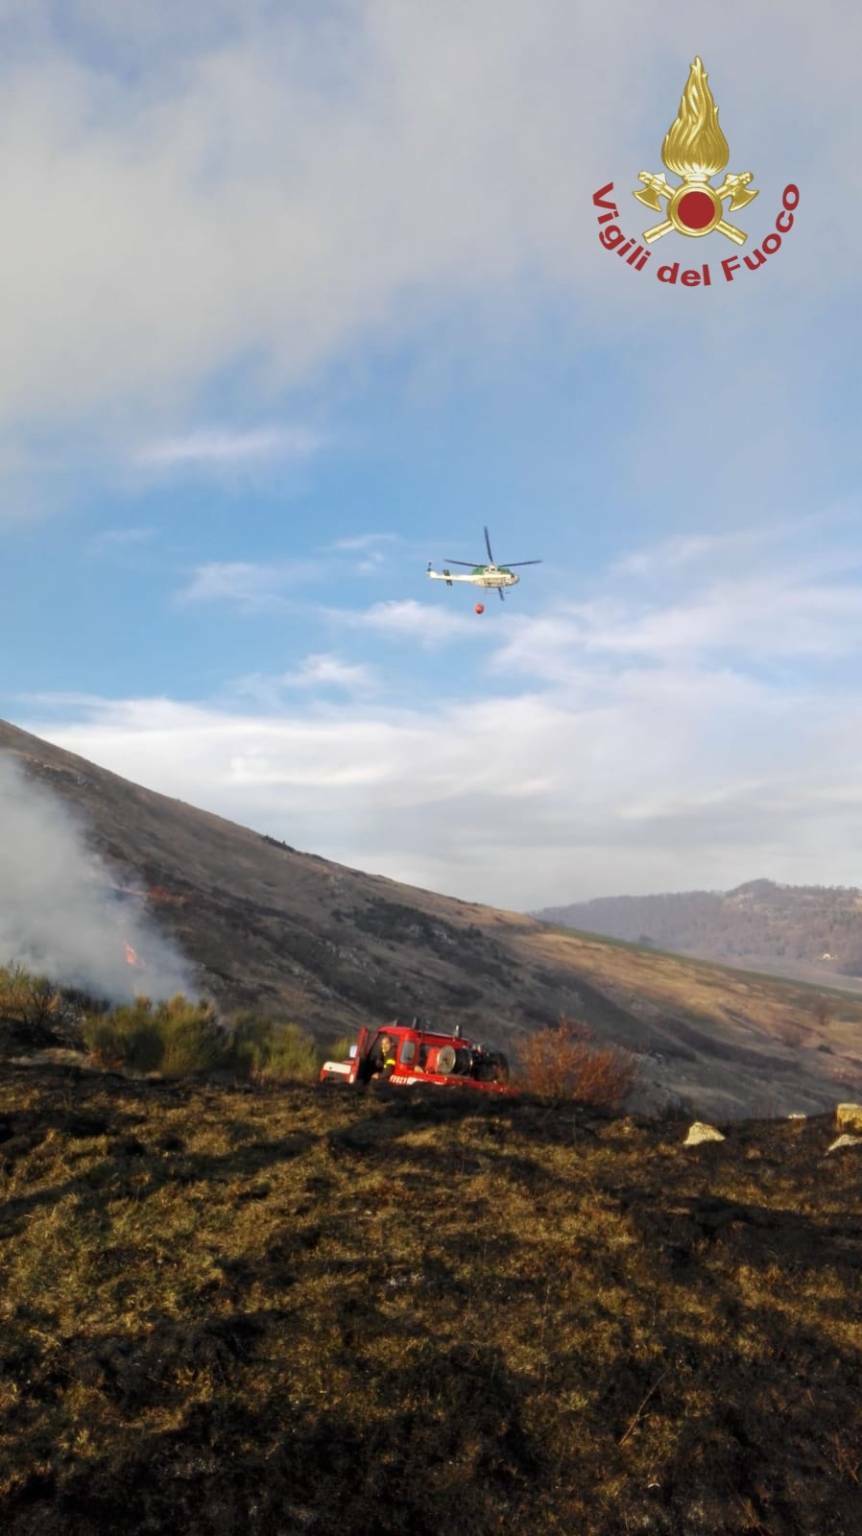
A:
[292,1054]
[174,1037]
[268,1050]
[193,1040]
[340,1050]
[101,1040]
[247,1046]
[125,1038]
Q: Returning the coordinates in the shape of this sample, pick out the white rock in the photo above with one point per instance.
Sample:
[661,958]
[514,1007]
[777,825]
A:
[844,1141]
[848,1117]
[699,1132]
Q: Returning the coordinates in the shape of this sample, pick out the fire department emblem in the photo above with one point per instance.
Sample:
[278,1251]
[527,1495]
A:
[695,149]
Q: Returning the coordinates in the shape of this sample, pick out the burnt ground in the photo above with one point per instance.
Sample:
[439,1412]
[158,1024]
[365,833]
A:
[316,1311]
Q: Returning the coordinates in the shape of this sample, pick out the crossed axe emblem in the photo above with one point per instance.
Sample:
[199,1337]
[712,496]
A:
[734,187]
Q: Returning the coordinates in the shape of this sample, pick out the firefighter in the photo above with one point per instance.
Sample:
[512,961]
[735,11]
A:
[382,1056]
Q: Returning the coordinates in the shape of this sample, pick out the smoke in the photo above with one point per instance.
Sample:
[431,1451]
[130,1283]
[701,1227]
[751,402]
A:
[62,917]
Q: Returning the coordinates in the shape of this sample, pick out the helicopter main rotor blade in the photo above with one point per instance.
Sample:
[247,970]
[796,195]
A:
[488,546]
[502,598]
[471,563]
[508,564]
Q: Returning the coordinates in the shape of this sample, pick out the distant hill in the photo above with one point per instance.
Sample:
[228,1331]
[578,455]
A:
[810,931]
[297,936]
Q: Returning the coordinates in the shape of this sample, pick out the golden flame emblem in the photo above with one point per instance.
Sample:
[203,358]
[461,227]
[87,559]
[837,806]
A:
[695,148]
[694,145]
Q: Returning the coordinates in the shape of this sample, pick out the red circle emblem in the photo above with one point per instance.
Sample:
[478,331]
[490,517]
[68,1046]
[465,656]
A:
[695,210]
[479,608]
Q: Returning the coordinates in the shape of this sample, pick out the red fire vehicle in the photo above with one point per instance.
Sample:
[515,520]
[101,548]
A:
[420,1054]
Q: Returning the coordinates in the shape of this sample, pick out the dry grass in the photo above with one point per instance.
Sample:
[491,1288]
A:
[321,1311]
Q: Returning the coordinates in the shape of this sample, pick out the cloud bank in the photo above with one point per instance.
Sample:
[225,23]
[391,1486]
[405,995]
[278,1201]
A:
[693,725]
[259,188]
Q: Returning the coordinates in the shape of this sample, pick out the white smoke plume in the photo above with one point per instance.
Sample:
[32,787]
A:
[61,915]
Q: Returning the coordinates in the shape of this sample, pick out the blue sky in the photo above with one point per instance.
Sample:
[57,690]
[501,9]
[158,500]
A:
[297,298]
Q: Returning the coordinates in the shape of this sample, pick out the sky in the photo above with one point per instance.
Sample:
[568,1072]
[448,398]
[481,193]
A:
[297,297]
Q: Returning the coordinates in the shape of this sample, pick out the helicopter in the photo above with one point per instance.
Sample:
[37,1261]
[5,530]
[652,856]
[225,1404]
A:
[490,575]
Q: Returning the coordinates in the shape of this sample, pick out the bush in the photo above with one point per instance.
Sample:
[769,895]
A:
[180,1037]
[562,1063]
[292,1054]
[340,1050]
[193,1040]
[173,1037]
[268,1050]
[131,1040]
[824,1011]
[35,1012]
[28,1000]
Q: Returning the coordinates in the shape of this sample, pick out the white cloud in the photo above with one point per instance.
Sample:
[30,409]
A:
[810,608]
[120,538]
[326,671]
[245,585]
[773,542]
[671,555]
[365,541]
[373,547]
[218,448]
[406,619]
[318,670]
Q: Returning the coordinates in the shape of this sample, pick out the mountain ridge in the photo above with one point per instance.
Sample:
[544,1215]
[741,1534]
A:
[812,932]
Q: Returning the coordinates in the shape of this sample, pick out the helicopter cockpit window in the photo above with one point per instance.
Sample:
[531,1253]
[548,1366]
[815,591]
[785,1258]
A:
[408,1051]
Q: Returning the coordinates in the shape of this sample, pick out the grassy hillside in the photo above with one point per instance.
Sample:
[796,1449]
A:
[300,1310]
[297,937]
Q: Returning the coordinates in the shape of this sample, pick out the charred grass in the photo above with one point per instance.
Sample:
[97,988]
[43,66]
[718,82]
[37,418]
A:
[305,1310]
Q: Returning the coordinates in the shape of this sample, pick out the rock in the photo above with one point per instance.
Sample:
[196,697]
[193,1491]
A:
[699,1132]
[797,1115]
[848,1117]
[53,1056]
[844,1141]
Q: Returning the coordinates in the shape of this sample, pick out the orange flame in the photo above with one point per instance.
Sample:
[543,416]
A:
[132,957]
[694,145]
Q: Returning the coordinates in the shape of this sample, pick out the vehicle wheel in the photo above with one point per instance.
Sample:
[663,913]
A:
[495,1069]
[446,1059]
